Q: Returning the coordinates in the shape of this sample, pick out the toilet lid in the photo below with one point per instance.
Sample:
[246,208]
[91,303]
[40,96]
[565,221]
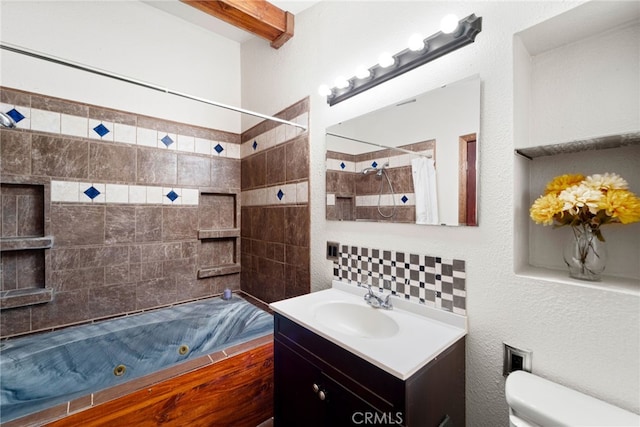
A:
[515,421]
[548,403]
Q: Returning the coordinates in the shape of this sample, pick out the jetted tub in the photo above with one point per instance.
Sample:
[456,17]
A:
[43,370]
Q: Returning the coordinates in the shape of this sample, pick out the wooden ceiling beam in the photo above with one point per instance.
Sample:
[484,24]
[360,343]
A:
[259,17]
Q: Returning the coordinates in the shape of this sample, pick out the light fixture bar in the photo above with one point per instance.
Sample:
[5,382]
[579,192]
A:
[437,45]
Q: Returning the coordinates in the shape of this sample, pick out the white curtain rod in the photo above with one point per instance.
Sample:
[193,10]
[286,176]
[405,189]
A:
[403,150]
[38,55]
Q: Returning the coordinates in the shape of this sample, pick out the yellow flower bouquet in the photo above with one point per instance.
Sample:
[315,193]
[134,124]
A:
[585,204]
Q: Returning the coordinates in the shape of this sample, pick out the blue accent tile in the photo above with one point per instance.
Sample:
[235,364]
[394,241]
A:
[280,194]
[92,192]
[219,148]
[172,195]
[342,165]
[15,115]
[166,140]
[404,199]
[255,145]
[374,165]
[101,130]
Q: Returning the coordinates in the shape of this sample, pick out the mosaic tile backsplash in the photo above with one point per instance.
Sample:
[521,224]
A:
[429,280]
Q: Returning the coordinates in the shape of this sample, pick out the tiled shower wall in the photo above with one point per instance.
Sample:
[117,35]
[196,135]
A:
[430,280]
[275,207]
[352,195]
[123,203]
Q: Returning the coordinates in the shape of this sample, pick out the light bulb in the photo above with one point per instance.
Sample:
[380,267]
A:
[416,42]
[449,23]
[362,72]
[341,82]
[324,90]
[386,60]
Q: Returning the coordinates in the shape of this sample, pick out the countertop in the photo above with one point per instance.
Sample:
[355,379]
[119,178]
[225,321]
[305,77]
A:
[424,332]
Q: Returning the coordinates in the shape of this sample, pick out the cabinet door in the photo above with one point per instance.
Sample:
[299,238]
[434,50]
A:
[296,401]
[345,408]
[306,396]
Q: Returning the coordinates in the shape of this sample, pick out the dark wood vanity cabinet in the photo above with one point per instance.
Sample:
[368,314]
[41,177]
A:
[318,383]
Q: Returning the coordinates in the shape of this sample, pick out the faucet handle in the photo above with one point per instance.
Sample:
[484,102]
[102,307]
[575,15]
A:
[387,303]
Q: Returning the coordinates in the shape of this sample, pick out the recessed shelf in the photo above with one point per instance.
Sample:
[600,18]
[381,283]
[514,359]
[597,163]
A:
[24,297]
[218,234]
[600,143]
[219,270]
[25,243]
[620,285]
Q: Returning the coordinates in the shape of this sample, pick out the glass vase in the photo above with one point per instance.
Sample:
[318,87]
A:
[585,254]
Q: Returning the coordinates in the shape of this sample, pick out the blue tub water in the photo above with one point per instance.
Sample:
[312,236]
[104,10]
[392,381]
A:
[42,370]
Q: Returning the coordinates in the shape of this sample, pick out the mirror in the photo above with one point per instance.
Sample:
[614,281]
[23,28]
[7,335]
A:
[376,161]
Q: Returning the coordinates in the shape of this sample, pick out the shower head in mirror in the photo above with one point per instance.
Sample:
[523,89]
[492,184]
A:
[6,121]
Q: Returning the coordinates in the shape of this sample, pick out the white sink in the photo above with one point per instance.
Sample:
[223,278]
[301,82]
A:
[399,341]
[356,320]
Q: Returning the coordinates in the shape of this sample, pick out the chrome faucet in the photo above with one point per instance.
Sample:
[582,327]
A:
[376,301]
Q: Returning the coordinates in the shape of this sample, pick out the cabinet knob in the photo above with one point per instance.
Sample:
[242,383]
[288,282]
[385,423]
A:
[322,395]
[316,388]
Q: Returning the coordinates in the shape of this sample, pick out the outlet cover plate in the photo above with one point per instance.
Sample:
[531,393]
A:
[510,353]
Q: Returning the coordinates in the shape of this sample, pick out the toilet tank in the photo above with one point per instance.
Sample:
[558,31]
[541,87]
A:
[541,402]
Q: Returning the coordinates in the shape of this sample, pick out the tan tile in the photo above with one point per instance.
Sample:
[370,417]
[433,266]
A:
[113,163]
[69,307]
[160,251]
[16,152]
[107,115]
[148,224]
[43,102]
[69,280]
[59,157]
[297,159]
[77,225]
[297,226]
[276,173]
[15,97]
[179,223]
[120,226]
[111,300]
[156,167]
[194,170]
[75,258]
[225,173]
[155,293]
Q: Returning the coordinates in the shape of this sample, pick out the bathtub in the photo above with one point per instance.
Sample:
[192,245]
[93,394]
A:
[79,364]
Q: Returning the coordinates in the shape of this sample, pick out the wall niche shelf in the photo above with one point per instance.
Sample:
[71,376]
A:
[621,285]
[218,233]
[572,117]
[22,246]
[600,143]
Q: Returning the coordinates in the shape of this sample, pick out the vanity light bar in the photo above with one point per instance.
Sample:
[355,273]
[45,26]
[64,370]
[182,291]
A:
[435,46]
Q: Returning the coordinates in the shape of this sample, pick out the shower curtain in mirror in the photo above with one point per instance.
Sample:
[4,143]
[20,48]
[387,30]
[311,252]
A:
[425,189]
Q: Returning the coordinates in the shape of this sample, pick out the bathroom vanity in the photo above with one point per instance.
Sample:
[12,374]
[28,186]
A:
[339,362]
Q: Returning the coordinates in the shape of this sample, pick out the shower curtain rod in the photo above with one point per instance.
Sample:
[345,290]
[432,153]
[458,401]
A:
[415,153]
[38,55]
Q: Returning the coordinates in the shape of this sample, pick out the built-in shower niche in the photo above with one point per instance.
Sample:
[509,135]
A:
[22,246]
[219,233]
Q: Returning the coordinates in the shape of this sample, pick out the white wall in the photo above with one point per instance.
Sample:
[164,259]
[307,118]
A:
[129,38]
[603,71]
[585,338]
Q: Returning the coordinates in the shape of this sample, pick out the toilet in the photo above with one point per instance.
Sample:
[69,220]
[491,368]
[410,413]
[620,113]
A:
[534,401]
